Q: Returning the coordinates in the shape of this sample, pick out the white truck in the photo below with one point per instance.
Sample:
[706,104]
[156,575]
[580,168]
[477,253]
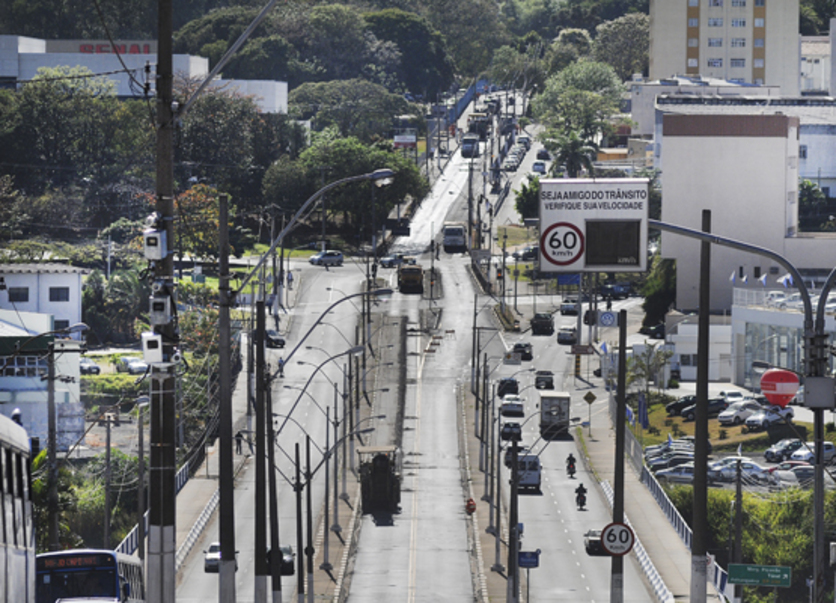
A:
[554,414]
[454,237]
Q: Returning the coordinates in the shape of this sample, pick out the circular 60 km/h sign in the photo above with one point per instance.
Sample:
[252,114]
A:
[562,244]
[617,538]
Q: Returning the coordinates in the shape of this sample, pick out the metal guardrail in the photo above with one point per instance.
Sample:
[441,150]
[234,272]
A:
[197,530]
[660,589]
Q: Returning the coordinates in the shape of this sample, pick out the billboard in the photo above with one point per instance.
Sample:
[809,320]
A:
[593,225]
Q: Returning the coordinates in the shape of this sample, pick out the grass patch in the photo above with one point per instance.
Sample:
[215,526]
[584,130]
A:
[516,235]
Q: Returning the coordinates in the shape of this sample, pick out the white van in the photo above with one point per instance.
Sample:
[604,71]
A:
[529,470]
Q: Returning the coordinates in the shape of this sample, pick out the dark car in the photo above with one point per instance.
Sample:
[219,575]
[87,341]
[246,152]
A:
[272,339]
[286,567]
[525,350]
[675,408]
[715,407]
[543,154]
[592,544]
[507,385]
[511,432]
[88,367]
[654,332]
[782,450]
[670,459]
[544,380]
[542,323]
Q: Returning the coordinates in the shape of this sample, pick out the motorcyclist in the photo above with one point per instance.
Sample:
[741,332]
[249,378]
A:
[580,496]
[570,465]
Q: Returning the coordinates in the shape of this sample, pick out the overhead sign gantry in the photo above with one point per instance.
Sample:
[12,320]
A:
[594,225]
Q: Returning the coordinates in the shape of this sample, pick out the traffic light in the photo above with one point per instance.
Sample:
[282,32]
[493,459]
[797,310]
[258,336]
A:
[499,274]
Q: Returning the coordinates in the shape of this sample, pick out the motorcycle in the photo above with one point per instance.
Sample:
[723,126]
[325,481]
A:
[570,469]
[580,499]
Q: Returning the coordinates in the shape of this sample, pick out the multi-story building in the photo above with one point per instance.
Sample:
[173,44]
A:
[53,289]
[747,41]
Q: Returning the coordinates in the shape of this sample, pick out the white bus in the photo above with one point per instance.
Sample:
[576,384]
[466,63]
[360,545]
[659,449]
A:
[17,533]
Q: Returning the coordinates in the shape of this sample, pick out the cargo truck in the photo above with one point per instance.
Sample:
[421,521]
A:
[411,279]
[554,414]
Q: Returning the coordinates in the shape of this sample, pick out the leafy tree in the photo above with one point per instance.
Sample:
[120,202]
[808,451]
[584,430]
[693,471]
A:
[520,68]
[588,14]
[355,107]
[67,504]
[659,290]
[645,367]
[270,58]
[574,152]
[528,198]
[126,300]
[569,47]
[816,15]
[624,43]
[335,38]
[199,332]
[427,68]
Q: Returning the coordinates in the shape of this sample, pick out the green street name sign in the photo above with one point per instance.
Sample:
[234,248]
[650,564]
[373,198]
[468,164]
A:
[759,575]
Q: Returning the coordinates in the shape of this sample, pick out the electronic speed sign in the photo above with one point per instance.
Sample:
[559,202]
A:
[593,225]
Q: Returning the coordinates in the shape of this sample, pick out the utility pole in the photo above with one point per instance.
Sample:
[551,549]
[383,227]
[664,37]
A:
[226,485]
[617,567]
[51,450]
[107,484]
[260,592]
[162,537]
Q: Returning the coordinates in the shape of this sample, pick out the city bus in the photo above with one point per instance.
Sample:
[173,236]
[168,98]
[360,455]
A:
[17,533]
[91,573]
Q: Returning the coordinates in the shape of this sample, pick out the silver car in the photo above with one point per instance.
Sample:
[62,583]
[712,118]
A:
[331,257]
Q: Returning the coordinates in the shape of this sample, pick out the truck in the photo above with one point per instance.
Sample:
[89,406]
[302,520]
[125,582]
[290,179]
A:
[479,124]
[470,145]
[554,414]
[380,478]
[411,278]
[542,323]
[454,237]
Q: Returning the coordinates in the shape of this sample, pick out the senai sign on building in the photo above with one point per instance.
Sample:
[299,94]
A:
[593,225]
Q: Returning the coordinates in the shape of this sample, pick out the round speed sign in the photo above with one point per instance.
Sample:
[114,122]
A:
[562,244]
[617,539]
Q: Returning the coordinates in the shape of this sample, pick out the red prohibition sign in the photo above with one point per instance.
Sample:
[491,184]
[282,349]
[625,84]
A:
[562,244]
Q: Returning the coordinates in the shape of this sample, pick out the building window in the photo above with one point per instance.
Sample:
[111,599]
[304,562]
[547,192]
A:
[693,42]
[758,63]
[758,81]
[715,42]
[59,294]
[693,22]
[760,2]
[693,2]
[715,3]
[802,151]
[18,295]
[688,359]
[61,324]
[740,3]
[715,22]
[759,22]
[738,42]
[737,80]
[826,191]
[715,62]
[692,63]
[757,270]
[759,42]
[738,22]
[737,62]
[24,366]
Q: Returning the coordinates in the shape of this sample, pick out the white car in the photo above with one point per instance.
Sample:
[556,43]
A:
[330,257]
[749,472]
[512,406]
[716,469]
[805,453]
[769,416]
[738,412]
[732,396]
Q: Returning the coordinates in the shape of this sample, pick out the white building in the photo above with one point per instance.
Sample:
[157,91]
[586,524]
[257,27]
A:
[750,41]
[21,57]
[24,358]
[815,65]
[53,289]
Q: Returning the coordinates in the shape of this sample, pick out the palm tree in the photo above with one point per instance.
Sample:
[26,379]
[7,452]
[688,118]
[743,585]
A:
[575,153]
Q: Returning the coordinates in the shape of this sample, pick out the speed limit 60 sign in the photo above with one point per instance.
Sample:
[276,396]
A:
[617,538]
[594,225]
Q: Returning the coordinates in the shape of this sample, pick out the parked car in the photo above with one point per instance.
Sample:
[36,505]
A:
[544,380]
[731,396]
[719,470]
[787,465]
[782,450]
[738,412]
[799,475]
[715,407]
[524,349]
[592,544]
[87,367]
[805,453]
[674,447]
[507,385]
[670,459]
[329,257]
[674,409]
[527,254]
[131,365]
[570,306]
[769,416]
[512,406]
[681,474]
[798,398]
[212,558]
[666,446]
[567,336]
[654,332]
